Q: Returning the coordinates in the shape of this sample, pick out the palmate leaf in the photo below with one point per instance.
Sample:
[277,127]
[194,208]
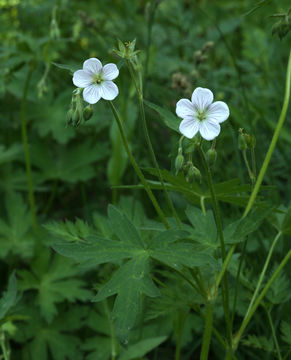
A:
[286,332]
[53,341]
[230,191]
[55,280]
[168,118]
[134,255]
[237,231]
[204,230]
[15,231]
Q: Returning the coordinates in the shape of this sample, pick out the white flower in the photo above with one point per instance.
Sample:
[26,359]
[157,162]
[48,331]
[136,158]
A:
[96,80]
[201,114]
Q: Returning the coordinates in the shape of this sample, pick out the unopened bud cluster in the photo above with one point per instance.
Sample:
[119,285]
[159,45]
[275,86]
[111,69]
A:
[126,50]
[246,141]
[283,26]
[201,55]
[78,114]
[190,171]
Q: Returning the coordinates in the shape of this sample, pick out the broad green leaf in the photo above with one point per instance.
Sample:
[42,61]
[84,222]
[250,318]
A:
[55,280]
[204,230]
[129,282]
[96,250]
[9,298]
[123,227]
[164,238]
[142,347]
[69,68]
[169,119]
[236,232]
[16,230]
[178,255]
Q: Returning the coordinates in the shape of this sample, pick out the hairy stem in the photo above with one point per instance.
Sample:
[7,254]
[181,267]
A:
[149,143]
[137,169]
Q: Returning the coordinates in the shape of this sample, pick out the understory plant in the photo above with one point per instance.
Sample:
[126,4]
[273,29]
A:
[182,257]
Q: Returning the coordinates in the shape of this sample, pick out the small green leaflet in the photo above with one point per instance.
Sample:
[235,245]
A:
[169,119]
[9,298]
[132,279]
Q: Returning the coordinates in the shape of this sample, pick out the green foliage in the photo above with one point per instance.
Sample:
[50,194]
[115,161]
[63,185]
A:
[15,230]
[9,298]
[54,280]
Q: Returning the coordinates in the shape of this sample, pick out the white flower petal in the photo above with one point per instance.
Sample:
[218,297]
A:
[184,108]
[92,65]
[82,78]
[218,111]
[110,72]
[92,94]
[202,98]
[108,90]
[209,129]
[189,127]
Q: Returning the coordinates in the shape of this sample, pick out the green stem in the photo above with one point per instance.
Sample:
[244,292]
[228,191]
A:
[263,274]
[3,347]
[274,334]
[225,291]
[26,148]
[149,143]
[181,323]
[254,168]
[248,165]
[274,139]
[202,204]
[259,299]
[137,169]
[207,331]
[237,280]
[112,332]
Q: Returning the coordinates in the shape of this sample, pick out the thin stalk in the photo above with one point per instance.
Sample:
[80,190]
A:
[254,167]
[248,165]
[237,280]
[26,148]
[225,291]
[263,273]
[202,204]
[273,141]
[3,347]
[112,332]
[259,299]
[207,331]
[149,144]
[274,334]
[137,169]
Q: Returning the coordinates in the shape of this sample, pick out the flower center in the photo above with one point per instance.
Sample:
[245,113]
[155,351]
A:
[201,115]
[97,79]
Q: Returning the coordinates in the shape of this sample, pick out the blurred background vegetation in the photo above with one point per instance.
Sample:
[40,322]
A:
[237,49]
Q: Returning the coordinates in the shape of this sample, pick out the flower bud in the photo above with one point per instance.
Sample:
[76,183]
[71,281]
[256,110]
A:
[193,174]
[251,141]
[207,46]
[242,144]
[76,118]
[88,112]
[211,156]
[70,116]
[179,162]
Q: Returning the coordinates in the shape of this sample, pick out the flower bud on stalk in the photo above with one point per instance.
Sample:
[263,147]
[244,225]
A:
[242,143]
[179,162]
[193,174]
[211,156]
[70,116]
[88,112]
